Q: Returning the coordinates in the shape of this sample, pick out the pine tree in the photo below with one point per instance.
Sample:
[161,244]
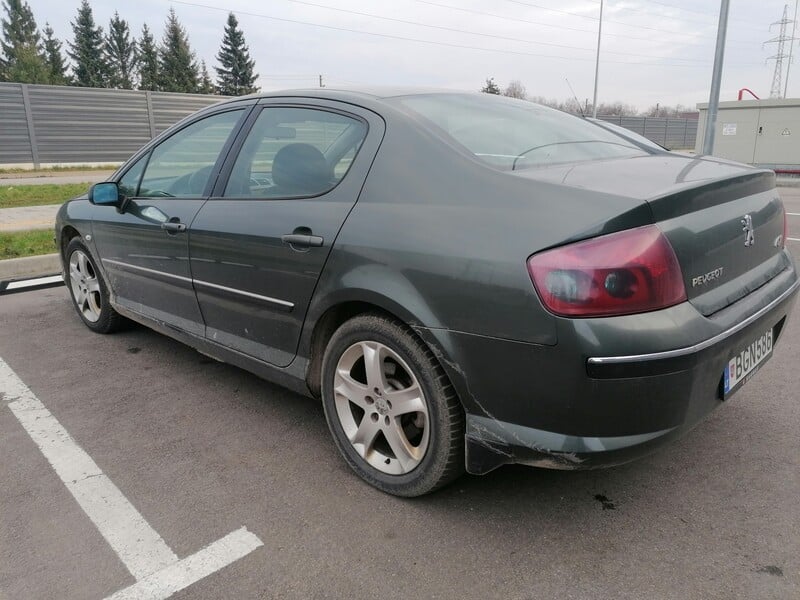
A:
[90,68]
[56,67]
[491,87]
[148,61]
[206,85]
[22,57]
[235,76]
[120,54]
[177,67]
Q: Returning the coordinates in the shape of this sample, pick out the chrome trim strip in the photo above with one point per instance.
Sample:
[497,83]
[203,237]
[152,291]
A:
[609,360]
[282,303]
[125,265]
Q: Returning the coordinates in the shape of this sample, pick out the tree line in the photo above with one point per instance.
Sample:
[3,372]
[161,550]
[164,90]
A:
[117,59]
[515,89]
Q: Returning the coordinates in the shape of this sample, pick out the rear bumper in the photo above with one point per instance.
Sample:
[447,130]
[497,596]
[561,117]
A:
[491,443]
[573,406]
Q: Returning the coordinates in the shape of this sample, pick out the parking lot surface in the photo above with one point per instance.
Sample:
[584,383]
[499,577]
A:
[202,449]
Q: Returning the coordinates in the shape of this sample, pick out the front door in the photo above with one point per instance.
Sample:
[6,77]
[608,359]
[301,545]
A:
[259,244]
[145,249]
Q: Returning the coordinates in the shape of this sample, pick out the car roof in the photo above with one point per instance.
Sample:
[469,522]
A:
[356,94]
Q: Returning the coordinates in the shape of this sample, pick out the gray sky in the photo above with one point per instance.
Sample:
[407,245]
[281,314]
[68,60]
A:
[652,51]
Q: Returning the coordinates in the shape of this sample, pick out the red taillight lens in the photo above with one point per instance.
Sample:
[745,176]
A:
[618,274]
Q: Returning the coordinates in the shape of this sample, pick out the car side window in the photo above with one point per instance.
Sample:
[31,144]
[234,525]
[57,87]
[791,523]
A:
[129,184]
[182,164]
[295,152]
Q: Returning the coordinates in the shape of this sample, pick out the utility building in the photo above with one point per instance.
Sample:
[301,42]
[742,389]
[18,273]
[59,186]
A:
[764,133]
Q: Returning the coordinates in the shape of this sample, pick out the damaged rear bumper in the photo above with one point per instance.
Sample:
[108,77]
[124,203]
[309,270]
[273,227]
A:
[491,443]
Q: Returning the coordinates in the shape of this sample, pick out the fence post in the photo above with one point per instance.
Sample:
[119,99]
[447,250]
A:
[26,103]
[666,129]
[685,131]
[151,118]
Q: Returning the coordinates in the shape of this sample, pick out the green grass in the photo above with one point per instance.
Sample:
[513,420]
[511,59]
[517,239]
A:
[37,195]
[34,172]
[26,243]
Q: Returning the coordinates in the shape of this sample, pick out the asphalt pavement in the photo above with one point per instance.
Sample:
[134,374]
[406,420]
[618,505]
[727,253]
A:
[25,218]
[200,449]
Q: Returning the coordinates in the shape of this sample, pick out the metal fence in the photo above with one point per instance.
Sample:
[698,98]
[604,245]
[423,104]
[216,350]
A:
[671,133]
[43,124]
[52,125]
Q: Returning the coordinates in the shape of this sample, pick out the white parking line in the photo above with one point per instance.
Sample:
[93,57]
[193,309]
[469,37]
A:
[793,239]
[158,571]
[793,214]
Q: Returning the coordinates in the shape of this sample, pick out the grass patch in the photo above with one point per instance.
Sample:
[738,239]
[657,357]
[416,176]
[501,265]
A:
[17,244]
[37,195]
[34,172]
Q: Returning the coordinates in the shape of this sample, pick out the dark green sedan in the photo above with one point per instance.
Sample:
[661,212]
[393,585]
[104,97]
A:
[465,280]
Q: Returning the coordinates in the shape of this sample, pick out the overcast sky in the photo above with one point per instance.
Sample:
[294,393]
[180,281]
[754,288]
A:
[652,51]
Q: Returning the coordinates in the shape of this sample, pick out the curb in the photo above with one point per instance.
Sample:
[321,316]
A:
[29,266]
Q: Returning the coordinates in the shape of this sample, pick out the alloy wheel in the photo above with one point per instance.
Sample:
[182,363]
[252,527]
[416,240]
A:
[381,407]
[85,286]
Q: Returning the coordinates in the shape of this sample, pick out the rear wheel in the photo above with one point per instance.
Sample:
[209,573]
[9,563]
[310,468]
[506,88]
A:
[390,407]
[88,290]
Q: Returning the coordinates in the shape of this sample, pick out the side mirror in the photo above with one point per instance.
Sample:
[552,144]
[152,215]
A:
[106,193]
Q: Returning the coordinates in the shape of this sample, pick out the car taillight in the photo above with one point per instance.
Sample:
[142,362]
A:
[618,274]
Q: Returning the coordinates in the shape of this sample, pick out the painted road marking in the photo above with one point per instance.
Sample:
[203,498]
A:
[158,571]
[164,583]
[793,239]
[793,214]
[22,285]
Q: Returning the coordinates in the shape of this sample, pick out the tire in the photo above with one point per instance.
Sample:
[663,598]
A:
[391,409]
[88,290]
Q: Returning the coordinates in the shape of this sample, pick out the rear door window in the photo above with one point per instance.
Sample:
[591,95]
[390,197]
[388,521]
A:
[295,152]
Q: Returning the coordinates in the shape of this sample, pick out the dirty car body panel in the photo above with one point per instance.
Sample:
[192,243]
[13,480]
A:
[424,228]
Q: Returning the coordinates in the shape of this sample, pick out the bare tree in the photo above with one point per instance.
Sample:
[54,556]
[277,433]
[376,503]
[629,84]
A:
[515,89]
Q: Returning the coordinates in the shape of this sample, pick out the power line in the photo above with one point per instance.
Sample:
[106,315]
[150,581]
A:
[521,20]
[431,42]
[487,35]
[591,18]
[672,6]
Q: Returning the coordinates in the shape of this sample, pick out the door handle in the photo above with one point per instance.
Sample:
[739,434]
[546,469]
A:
[172,227]
[305,241]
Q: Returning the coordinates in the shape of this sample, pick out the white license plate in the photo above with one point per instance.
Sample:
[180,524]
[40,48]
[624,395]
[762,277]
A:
[745,363]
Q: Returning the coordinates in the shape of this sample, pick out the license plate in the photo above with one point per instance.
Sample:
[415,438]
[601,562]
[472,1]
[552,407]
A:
[744,364]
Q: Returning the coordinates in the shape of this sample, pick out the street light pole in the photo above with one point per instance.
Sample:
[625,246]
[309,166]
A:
[597,61]
[716,80]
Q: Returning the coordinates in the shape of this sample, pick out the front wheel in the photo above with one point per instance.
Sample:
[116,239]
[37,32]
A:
[88,290]
[391,409]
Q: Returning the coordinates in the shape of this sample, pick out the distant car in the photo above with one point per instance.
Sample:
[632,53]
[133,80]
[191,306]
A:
[465,280]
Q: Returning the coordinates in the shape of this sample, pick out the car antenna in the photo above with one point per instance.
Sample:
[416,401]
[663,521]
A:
[574,95]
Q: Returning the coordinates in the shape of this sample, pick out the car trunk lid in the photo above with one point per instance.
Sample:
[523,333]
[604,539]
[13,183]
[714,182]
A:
[724,220]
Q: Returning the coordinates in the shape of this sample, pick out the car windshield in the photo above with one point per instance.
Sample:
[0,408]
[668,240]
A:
[515,134]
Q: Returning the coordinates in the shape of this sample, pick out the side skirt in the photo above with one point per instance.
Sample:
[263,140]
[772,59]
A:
[291,377]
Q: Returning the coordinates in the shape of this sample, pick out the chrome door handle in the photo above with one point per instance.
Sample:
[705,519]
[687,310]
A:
[172,227]
[305,241]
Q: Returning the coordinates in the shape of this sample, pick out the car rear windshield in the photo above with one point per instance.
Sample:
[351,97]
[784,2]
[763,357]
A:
[515,134]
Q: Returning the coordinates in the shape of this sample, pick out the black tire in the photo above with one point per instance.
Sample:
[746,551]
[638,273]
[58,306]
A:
[108,320]
[443,458]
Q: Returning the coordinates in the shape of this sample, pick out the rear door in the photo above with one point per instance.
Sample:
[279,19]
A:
[145,250]
[259,244]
